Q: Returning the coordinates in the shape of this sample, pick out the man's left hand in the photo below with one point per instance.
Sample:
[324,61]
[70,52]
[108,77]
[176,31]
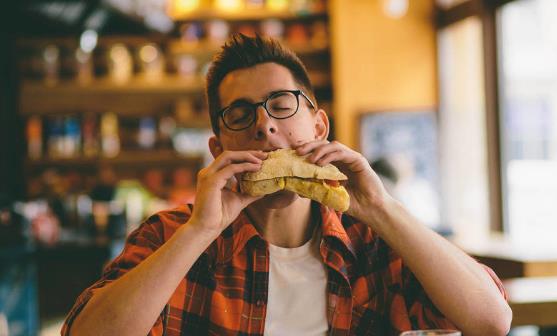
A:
[364,186]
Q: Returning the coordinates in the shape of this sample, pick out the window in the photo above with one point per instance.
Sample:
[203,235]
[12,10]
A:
[464,180]
[528,98]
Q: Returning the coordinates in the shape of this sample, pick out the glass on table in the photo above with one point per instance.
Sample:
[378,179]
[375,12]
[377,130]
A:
[435,332]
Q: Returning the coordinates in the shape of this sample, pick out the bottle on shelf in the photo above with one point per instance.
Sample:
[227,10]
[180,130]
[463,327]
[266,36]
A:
[90,136]
[147,133]
[151,61]
[190,33]
[186,66]
[110,139]
[71,140]
[272,28]
[84,66]
[217,31]
[120,63]
[55,138]
[84,56]
[34,137]
[167,127]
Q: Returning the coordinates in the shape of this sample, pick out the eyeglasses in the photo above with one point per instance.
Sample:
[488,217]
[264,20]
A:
[279,105]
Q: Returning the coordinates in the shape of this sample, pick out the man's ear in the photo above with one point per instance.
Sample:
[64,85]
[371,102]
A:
[321,125]
[215,146]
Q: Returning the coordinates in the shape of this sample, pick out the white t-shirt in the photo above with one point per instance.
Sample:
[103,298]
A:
[297,302]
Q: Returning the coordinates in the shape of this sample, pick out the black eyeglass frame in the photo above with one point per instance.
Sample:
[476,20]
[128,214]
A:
[254,107]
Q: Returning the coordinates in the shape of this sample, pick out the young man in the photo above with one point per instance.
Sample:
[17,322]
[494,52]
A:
[234,264]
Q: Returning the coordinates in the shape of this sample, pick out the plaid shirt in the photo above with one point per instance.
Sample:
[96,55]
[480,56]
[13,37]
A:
[369,289]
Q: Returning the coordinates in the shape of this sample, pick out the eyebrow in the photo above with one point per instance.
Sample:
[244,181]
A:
[248,100]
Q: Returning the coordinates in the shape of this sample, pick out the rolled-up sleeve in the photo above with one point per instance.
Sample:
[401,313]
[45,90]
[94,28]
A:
[422,312]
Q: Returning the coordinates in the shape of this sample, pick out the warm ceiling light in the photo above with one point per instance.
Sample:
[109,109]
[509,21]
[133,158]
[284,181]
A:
[229,5]
[180,7]
[277,5]
[395,8]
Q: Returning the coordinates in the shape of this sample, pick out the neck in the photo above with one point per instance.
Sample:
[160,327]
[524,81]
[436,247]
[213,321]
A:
[289,227]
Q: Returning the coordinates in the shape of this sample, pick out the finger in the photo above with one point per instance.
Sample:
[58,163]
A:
[260,154]
[230,157]
[222,178]
[309,146]
[350,159]
[345,157]
[322,150]
[329,157]
[237,168]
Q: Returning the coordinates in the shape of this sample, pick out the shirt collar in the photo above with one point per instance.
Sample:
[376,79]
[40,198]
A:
[332,227]
[234,238]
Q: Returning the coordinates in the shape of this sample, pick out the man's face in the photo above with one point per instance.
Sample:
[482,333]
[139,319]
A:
[254,85]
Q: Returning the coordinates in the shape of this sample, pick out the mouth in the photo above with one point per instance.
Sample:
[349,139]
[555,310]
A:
[270,149]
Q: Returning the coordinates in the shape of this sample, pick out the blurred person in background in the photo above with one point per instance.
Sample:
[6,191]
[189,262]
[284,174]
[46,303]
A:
[398,175]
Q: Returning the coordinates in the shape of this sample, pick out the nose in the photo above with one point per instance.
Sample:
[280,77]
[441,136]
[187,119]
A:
[264,124]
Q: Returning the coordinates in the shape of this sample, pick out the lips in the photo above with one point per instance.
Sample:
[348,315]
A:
[270,149]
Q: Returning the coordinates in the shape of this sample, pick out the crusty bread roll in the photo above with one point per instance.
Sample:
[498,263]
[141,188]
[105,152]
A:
[284,169]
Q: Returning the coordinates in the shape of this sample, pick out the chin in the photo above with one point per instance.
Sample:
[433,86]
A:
[280,199]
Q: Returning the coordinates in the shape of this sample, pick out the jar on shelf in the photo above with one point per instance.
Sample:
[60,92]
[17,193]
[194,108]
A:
[120,63]
[151,61]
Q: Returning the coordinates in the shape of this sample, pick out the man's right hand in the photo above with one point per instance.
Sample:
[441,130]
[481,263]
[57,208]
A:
[216,206]
[159,270]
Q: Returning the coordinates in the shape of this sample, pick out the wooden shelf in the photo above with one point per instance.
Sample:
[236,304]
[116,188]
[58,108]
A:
[139,96]
[247,15]
[131,158]
[137,85]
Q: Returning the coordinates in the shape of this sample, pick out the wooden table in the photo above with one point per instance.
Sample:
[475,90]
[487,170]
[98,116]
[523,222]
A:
[533,301]
[529,273]
[510,259]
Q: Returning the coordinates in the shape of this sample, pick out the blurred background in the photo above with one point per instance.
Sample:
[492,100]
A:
[103,121]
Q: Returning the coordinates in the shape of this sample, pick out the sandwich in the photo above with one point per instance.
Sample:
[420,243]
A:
[285,170]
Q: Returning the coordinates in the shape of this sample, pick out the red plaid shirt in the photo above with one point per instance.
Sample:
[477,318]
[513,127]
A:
[369,289]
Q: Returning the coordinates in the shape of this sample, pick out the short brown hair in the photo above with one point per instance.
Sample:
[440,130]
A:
[241,52]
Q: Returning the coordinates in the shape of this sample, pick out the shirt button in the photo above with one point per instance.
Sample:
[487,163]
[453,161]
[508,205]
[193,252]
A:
[259,302]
